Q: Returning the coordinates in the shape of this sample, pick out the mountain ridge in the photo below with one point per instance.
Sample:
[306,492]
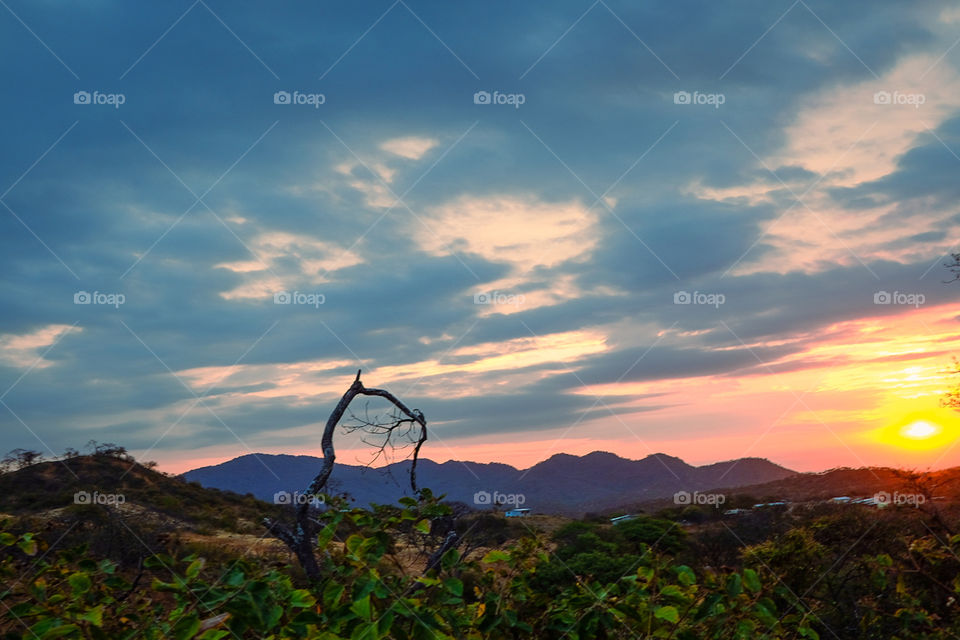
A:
[563,483]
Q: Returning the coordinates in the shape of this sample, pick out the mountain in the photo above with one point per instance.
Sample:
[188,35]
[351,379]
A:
[563,484]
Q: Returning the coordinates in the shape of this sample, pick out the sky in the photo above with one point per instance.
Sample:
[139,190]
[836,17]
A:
[709,230]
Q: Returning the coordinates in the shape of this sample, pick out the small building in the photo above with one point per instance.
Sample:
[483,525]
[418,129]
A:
[770,504]
[517,513]
[841,499]
[625,518]
[735,512]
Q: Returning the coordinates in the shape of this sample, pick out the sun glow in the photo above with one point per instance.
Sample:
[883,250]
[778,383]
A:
[922,431]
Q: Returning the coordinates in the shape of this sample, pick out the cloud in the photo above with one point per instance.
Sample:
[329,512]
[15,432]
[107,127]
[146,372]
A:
[522,231]
[536,250]
[28,350]
[409,147]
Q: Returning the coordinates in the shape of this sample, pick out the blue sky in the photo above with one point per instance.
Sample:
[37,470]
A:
[561,226]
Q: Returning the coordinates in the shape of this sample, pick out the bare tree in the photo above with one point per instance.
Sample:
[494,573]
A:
[22,458]
[403,423]
[953,266]
[951,399]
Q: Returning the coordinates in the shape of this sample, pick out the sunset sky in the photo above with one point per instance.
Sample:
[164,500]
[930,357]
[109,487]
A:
[711,230]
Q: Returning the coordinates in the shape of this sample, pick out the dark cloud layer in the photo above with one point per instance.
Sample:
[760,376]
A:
[199,169]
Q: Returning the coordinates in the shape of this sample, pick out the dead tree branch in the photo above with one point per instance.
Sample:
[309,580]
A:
[301,538]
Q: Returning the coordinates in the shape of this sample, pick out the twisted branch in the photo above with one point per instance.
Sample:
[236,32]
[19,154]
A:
[300,540]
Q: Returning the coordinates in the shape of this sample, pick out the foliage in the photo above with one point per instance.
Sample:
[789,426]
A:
[366,594]
[843,572]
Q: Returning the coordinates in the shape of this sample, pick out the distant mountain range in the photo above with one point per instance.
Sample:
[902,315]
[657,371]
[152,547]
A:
[563,484]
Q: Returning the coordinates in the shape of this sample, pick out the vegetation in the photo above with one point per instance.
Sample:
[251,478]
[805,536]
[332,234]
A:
[811,571]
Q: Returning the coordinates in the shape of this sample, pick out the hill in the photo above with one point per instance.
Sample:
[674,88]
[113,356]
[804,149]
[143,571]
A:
[103,479]
[563,484]
[125,511]
[825,485]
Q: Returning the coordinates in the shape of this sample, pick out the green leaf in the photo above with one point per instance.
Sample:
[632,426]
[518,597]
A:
[807,632]
[707,608]
[28,545]
[365,631]
[332,594]
[423,526]
[79,582]
[686,576]
[193,570]
[301,599]
[667,613]
[107,566]
[734,585]
[7,539]
[362,608]
[353,543]
[93,616]
[646,573]
[449,559]
[59,632]
[672,592]
[751,581]
[186,627]
[326,535]
[495,556]
[454,586]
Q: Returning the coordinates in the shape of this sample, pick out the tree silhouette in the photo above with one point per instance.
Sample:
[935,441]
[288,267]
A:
[404,423]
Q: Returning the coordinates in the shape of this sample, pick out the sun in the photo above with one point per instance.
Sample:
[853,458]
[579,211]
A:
[920,430]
